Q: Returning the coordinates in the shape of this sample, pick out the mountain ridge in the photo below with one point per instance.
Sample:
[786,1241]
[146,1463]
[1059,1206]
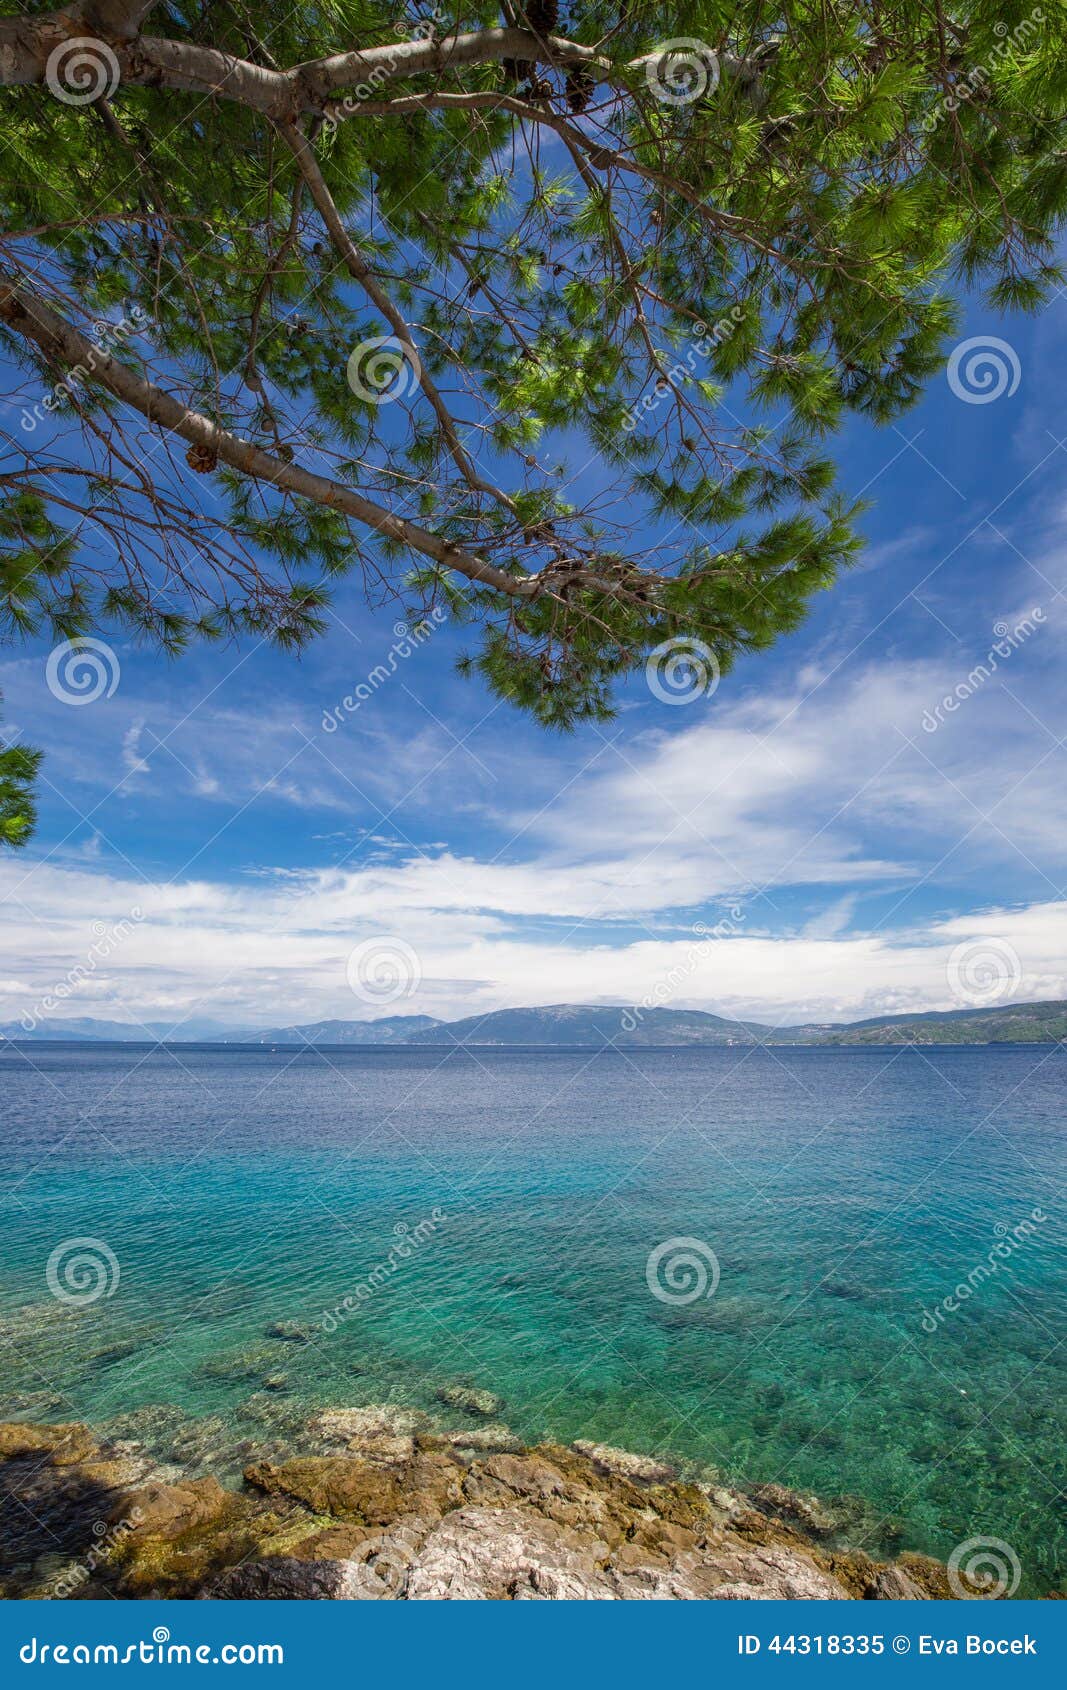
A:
[591,1026]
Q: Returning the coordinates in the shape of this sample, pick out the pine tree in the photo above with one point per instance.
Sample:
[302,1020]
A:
[552,332]
[18,812]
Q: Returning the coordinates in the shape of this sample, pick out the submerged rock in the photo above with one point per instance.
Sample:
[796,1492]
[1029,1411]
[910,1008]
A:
[470,1400]
[235,1366]
[796,1507]
[32,1404]
[119,1350]
[291,1331]
[352,1428]
[641,1468]
[484,1440]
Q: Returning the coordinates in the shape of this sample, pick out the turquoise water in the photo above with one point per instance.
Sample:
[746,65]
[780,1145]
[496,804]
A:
[841,1193]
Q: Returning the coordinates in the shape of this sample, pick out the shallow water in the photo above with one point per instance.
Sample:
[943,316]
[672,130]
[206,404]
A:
[841,1193]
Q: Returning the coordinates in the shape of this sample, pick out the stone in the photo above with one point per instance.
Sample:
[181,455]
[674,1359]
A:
[765,1530]
[169,1511]
[64,1445]
[480,1554]
[398,1512]
[287,1579]
[291,1331]
[795,1506]
[119,1472]
[382,1431]
[892,1584]
[470,1400]
[640,1469]
[332,1543]
[770,1575]
[483,1440]
[369,1490]
[928,1574]
[528,1476]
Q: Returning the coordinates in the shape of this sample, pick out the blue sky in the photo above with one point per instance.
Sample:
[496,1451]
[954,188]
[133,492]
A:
[852,841]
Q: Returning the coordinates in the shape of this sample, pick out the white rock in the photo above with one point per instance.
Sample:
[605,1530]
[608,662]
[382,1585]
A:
[624,1464]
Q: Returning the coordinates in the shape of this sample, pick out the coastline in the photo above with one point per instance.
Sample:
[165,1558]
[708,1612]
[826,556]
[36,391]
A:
[379,1502]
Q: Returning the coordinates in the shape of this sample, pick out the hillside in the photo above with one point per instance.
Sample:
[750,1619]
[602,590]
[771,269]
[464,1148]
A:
[593,1025]
[588,1026]
[79,1029]
[1020,1023]
[390,1029]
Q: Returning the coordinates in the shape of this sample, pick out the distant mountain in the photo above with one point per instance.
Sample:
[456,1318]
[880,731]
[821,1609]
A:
[589,1026]
[1013,1023]
[390,1029]
[592,1025]
[115,1032]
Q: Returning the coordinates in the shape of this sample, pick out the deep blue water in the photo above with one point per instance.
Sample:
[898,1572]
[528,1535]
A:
[841,1193]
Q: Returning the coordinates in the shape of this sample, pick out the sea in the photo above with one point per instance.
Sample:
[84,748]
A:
[838,1270]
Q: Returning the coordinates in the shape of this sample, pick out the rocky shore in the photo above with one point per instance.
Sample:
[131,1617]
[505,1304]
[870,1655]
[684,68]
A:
[378,1502]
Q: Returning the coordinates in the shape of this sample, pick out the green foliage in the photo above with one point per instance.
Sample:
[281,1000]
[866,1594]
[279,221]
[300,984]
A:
[18,812]
[645,333]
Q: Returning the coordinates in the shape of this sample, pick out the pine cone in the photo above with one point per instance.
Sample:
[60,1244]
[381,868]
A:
[202,459]
[539,89]
[517,70]
[542,15]
[579,88]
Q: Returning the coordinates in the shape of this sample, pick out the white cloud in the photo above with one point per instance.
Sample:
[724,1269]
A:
[817,794]
[277,951]
[132,761]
